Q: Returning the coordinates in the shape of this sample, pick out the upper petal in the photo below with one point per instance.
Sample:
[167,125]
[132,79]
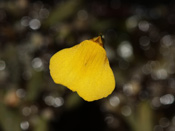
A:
[84,68]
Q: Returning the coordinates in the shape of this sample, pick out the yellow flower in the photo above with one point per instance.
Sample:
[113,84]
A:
[84,68]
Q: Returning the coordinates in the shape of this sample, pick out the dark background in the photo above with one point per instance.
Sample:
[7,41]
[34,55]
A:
[140,44]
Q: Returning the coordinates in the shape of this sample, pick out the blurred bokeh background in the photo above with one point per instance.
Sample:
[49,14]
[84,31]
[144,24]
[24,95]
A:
[140,44]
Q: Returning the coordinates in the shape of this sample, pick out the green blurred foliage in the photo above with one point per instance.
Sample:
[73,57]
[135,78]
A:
[140,44]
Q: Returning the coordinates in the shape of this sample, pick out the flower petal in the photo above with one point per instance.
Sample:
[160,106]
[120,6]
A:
[84,68]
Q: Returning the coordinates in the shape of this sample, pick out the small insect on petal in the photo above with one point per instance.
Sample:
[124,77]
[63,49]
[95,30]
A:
[84,68]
